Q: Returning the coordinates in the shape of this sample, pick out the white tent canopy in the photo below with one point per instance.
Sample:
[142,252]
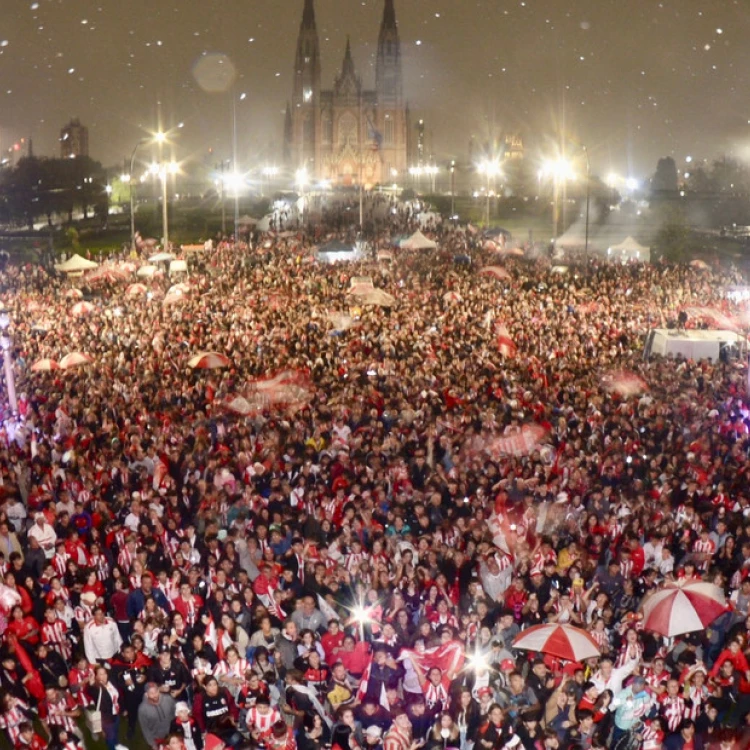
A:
[418,242]
[629,249]
[178,266]
[76,264]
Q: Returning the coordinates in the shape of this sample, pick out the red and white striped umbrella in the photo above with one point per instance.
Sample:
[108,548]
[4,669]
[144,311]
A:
[45,365]
[563,641]
[451,297]
[175,298]
[516,251]
[208,361]
[82,308]
[683,607]
[74,294]
[135,290]
[107,274]
[75,359]
[497,271]
[182,288]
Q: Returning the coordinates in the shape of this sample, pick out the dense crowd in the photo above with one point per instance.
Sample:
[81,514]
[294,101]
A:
[290,578]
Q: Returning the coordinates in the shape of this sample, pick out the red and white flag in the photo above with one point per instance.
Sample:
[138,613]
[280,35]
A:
[363,686]
[624,382]
[519,443]
[449,658]
[505,344]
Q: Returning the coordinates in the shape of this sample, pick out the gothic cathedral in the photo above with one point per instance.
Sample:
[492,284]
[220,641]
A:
[347,134]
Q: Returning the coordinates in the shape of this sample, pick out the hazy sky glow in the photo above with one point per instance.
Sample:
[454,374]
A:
[638,79]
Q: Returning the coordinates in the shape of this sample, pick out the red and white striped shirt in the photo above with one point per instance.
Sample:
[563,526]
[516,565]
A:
[56,712]
[11,719]
[673,710]
[262,722]
[54,634]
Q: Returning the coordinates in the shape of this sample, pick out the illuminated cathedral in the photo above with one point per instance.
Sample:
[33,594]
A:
[341,133]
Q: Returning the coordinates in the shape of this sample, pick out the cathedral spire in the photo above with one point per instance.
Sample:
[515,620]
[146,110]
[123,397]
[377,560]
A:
[388,76]
[389,16]
[308,15]
[348,64]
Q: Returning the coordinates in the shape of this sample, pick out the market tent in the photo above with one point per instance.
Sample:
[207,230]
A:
[418,242]
[76,264]
[336,250]
[629,249]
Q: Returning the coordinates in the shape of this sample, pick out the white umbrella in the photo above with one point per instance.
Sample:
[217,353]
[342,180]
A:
[134,290]
[146,271]
[75,359]
[161,258]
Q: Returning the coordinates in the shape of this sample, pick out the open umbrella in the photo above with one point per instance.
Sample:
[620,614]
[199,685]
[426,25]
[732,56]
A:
[45,365]
[82,308]
[182,288]
[517,251]
[146,271]
[75,359]
[683,607]
[174,298]
[106,274]
[208,361]
[497,271]
[74,294]
[563,641]
[161,258]
[701,264]
[134,290]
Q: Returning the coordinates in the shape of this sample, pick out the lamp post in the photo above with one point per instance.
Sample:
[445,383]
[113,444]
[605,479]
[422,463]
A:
[10,379]
[560,170]
[453,188]
[490,168]
[301,179]
[163,170]
[588,200]
[131,182]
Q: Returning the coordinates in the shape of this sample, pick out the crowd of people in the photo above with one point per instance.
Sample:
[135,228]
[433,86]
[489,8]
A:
[350,568]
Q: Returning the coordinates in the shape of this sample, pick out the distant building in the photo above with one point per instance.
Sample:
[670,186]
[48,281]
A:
[74,140]
[513,147]
[337,134]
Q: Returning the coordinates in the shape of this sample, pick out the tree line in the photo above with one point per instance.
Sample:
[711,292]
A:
[40,188]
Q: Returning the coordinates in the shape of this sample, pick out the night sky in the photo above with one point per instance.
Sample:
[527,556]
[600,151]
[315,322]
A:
[636,79]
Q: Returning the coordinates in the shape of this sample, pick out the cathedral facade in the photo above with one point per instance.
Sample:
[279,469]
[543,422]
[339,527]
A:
[347,134]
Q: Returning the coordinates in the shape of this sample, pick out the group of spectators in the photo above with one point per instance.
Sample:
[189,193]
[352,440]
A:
[181,573]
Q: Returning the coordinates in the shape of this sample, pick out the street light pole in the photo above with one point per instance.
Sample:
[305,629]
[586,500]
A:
[453,188]
[10,379]
[164,211]
[132,193]
[588,199]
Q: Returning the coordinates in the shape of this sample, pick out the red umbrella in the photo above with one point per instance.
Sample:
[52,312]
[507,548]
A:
[74,294]
[208,361]
[563,641]
[683,607]
[45,365]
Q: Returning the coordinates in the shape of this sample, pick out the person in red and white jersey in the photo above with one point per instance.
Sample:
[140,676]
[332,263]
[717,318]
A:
[657,676]
[61,710]
[13,713]
[54,633]
[28,739]
[704,550]
[261,718]
[672,706]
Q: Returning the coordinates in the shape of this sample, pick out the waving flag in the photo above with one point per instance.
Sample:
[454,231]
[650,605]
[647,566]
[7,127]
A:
[505,344]
[449,658]
[624,382]
[519,443]
[714,316]
[363,686]
[374,135]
